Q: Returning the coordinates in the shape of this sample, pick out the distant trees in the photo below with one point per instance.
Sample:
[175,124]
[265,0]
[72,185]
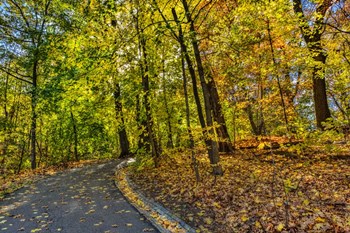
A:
[25,33]
[114,78]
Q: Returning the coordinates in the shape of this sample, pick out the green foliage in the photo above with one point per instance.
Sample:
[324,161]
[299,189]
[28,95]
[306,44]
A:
[143,161]
[253,50]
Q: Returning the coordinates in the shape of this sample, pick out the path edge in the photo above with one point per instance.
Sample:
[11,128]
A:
[154,206]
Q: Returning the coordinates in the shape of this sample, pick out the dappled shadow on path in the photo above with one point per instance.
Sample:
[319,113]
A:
[78,200]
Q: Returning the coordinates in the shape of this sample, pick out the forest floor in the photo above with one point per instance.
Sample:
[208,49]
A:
[290,189]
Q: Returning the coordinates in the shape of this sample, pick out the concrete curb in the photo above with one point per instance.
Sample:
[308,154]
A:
[154,206]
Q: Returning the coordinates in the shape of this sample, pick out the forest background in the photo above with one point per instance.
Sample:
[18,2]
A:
[88,79]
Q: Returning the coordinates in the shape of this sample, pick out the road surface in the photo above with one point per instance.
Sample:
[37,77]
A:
[80,200]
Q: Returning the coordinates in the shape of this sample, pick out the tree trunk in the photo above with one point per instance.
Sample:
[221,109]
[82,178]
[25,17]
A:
[143,141]
[123,138]
[19,167]
[146,91]
[277,75]
[212,145]
[320,96]
[249,112]
[75,136]
[184,51]
[224,138]
[34,115]
[188,122]
[4,145]
[170,143]
[40,153]
[144,68]
[312,37]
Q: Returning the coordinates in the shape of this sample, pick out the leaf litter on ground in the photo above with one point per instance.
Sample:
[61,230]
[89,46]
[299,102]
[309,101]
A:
[260,191]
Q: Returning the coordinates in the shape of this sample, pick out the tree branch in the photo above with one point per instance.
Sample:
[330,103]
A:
[166,21]
[15,75]
[336,28]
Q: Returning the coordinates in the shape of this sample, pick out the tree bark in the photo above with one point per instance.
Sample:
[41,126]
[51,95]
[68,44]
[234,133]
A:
[320,95]
[212,145]
[144,67]
[21,158]
[224,138]
[75,136]
[249,112]
[312,37]
[4,145]
[123,138]
[143,141]
[170,143]
[146,91]
[188,122]
[191,70]
[34,114]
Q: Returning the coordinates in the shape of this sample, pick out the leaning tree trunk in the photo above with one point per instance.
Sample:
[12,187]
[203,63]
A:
[277,76]
[212,145]
[249,112]
[191,70]
[188,122]
[224,138]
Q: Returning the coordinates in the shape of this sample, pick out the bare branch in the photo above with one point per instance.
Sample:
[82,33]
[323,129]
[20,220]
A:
[201,9]
[15,75]
[166,21]
[22,13]
[336,28]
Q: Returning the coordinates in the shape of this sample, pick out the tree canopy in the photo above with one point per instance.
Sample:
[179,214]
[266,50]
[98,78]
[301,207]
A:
[89,79]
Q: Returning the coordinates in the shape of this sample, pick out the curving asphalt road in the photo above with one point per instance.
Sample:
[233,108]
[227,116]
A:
[80,200]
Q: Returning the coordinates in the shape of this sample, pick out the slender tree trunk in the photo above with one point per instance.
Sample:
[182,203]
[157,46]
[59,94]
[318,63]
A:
[75,136]
[170,143]
[40,153]
[4,145]
[234,126]
[249,112]
[260,114]
[19,167]
[146,90]
[191,70]
[123,138]
[23,150]
[211,143]
[278,78]
[143,142]
[144,67]
[34,114]
[188,122]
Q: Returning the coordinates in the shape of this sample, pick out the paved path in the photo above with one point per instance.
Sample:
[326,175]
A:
[80,200]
